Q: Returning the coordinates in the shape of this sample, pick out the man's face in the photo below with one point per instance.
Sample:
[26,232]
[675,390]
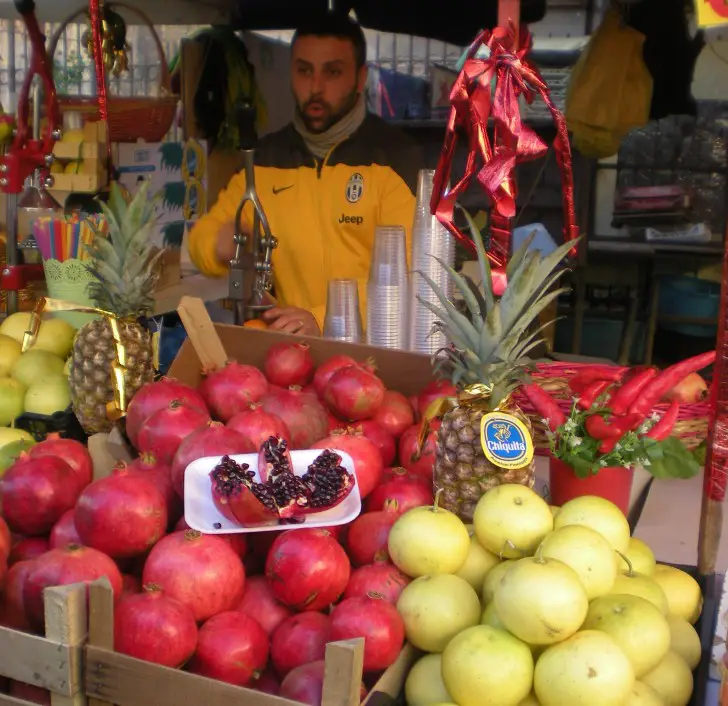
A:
[325,80]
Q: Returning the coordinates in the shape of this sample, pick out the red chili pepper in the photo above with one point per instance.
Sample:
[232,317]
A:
[599,428]
[593,392]
[592,374]
[664,427]
[667,379]
[627,394]
[607,446]
[545,405]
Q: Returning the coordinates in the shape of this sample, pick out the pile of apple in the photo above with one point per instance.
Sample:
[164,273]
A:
[535,604]
[35,381]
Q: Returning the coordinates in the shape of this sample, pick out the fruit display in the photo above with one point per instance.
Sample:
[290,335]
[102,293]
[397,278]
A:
[561,618]
[36,381]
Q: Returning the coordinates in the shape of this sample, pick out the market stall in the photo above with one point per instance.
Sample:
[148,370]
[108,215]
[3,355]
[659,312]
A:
[349,518]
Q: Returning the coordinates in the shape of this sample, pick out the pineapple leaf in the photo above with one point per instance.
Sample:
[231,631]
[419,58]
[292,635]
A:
[462,286]
[102,249]
[453,334]
[453,318]
[483,262]
[491,333]
[117,202]
[133,220]
[477,294]
[519,254]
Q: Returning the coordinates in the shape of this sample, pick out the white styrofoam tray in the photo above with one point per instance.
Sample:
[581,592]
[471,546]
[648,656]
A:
[202,515]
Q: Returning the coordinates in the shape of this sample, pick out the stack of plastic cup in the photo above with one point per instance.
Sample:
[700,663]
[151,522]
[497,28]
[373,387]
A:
[429,240]
[387,289]
[343,316]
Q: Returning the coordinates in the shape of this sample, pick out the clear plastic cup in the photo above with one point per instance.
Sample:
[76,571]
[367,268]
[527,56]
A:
[343,315]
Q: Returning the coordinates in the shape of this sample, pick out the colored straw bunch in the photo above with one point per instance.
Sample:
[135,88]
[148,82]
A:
[65,238]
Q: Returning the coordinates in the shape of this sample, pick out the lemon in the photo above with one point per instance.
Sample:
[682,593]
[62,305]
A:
[684,640]
[599,514]
[424,685]
[672,680]
[641,557]
[684,598]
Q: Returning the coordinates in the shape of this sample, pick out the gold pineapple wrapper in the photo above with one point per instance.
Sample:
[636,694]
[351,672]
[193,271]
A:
[116,408]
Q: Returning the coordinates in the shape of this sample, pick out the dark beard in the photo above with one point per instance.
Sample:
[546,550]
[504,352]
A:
[331,119]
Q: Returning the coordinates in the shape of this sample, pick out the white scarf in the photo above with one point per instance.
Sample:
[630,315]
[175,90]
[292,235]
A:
[320,143]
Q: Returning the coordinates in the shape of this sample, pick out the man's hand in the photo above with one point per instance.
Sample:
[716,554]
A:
[292,320]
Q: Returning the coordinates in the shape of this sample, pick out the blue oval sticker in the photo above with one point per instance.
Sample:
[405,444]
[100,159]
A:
[506,440]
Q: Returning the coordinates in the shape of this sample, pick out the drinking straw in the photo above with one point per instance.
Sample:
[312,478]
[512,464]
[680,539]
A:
[58,239]
[75,233]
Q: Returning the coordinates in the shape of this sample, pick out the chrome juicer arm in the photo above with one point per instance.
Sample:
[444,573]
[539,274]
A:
[251,267]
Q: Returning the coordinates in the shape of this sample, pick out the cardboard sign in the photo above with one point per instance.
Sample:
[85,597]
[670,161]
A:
[711,13]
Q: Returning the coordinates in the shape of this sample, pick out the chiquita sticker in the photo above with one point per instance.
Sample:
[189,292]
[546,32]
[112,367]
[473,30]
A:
[506,441]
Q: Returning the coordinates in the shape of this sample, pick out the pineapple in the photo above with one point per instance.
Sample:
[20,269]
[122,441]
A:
[488,346]
[125,268]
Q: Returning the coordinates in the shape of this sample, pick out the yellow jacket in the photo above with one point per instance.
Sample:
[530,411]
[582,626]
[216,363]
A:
[323,213]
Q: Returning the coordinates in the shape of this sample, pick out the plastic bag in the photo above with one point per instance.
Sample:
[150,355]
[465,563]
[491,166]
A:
[610,90]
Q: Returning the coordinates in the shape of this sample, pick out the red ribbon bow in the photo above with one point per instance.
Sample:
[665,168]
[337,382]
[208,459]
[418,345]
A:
[473,103]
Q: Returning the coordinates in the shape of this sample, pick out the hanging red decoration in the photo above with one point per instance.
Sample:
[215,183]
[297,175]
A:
[495,74]
[96,33]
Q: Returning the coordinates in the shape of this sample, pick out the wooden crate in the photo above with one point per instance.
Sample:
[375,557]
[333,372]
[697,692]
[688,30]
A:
[53,662]
[113,678]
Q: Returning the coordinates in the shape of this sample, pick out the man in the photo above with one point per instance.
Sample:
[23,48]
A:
[325,181]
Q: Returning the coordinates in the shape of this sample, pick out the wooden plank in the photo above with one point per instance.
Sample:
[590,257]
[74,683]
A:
[67,624]
[391,683]
[37,661]
[202,333]
[125,681]
[101,626]
[6,700]
[342,677]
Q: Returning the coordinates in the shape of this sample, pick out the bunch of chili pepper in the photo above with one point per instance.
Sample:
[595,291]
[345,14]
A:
[624,403]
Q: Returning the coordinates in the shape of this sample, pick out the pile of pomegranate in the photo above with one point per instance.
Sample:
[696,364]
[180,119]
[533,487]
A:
[254,610]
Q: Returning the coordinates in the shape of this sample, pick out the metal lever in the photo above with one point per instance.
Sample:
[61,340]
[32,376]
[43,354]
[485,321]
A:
[251,266]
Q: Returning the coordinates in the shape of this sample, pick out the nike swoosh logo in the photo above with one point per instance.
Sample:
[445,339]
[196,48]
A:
[283,188]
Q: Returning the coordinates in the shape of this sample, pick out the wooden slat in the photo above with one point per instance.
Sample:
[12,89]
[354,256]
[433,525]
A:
[37,661]
[66,624]
[125,681]
[201,333]
[342,678]
[6,700]
[101,626]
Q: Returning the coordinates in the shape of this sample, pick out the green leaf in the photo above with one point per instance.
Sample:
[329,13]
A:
[117,202]
[483,262]
[462,287]
[518,255]
[677,461]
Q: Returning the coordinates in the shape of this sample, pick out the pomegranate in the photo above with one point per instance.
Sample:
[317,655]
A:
[213,439]
[299,640]
[354,393]
[155,628]
[159,395]
[61,567]
[259,603]
[380,578]
[130,585]
[122,515]
[257,425]
[74,453]
[307,569]
[434,390]
[368,466]
[237,541]
[14,615]
[406,488]
[64,532]
[28,548]
[231,647]
[327,369]
[165,430]
[232,388]
[690,390]
[305,684]
[159,474]
[334,423]
[301,412]
[266,683]
[368,535]
[381,438]
[35,492]
[289,364]
[377,621]
[5,539]
[422,463]
[395,413]
[202,571]
[280,494]
[29,692]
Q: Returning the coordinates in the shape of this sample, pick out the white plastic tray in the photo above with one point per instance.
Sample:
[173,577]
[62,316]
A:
[202,515]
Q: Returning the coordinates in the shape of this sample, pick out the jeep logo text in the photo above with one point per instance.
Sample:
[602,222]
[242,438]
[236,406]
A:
[356,220]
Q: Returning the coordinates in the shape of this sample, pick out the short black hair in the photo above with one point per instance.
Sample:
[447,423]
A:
[334,24]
